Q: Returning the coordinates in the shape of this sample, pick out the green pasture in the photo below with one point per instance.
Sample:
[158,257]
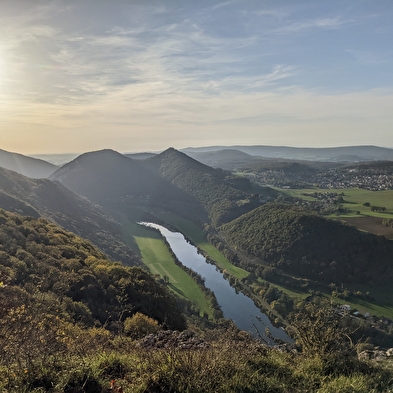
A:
[381,303]
[197,237]
[157,257]
[354,199]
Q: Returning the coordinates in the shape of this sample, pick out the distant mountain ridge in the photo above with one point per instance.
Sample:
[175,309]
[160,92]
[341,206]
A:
[330,154]
[27,166]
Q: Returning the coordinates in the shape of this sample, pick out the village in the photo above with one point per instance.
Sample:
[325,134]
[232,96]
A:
[373,177]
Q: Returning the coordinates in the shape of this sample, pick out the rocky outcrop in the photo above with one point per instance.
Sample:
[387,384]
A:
[173,339]
[377,355]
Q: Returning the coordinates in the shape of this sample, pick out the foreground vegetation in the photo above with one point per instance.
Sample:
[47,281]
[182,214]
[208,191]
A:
[67,357]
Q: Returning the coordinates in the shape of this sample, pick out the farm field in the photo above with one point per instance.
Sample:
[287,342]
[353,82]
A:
[359,215]
[157,257]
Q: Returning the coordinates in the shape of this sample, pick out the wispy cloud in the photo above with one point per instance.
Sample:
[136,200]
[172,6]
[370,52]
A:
[178,72]
[317,23]
[366,57]
[278,12]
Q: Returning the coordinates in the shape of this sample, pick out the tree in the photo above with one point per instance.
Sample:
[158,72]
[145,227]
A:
[319,331]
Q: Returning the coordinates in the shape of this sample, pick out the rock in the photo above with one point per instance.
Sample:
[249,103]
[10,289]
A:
[173,339]
[376,355]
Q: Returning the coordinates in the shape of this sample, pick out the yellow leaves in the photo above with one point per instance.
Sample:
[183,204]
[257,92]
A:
[140,325]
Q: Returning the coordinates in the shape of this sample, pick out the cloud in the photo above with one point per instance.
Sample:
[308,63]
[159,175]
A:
[317,23]
[278,12]
[153,74]
[366,57]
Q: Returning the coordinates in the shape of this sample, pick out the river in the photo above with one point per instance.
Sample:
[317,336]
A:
[234,305]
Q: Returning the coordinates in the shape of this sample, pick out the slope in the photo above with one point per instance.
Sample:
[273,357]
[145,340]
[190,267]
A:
[42,197]
[228,159]
[310,246]
[27,166]
[39,257]
[124,184]
[223,196]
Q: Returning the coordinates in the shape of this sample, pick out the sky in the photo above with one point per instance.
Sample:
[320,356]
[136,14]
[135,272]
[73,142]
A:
[84,75]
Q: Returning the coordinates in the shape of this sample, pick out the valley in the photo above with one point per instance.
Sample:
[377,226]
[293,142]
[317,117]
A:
[279,248]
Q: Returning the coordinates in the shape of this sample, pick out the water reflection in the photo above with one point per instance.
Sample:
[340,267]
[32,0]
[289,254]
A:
[235,305]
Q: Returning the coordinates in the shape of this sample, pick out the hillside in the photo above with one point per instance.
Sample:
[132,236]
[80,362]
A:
[307,245]
[123,184]
[228,159]
[38,257]
[42,197]
[223,196]
[27,166]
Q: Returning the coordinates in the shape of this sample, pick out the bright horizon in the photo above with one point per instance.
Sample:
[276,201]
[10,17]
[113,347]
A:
[141,76]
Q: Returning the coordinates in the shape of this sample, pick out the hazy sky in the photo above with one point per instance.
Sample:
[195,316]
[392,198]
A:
[82,75]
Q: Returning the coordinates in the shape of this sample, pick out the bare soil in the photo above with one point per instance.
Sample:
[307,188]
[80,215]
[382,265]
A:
[370,224]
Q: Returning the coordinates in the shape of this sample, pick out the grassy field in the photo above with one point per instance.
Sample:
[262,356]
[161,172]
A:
[197,237]
[354,199]
[359,215]
[155,254]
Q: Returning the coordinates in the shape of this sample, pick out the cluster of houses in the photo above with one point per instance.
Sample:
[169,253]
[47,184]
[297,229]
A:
[376,322]
[369,177]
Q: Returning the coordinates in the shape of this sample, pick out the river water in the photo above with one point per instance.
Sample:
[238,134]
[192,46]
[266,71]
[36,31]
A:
[235,306]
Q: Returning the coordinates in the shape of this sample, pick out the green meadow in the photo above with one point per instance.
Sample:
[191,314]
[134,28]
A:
[354,200]
[197,237]
[157,257]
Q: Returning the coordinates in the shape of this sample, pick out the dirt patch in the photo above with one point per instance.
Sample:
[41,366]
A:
[370,224]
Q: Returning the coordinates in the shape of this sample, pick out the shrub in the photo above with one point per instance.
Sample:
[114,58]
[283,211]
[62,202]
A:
[139,325]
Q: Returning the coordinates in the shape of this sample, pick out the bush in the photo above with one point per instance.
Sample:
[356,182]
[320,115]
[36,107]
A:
[139,325]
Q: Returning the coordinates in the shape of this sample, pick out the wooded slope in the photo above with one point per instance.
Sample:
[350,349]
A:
[38,257]
[308,245]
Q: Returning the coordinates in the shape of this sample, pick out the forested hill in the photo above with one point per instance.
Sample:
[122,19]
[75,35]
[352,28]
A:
[73,281]
[308,245]
[115,181]
[223,196]
[34,197]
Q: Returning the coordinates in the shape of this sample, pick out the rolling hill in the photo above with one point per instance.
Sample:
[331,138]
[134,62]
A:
[224,196]
[27,166]
[123,184]
[307,245]
[170,180]
[331,154]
